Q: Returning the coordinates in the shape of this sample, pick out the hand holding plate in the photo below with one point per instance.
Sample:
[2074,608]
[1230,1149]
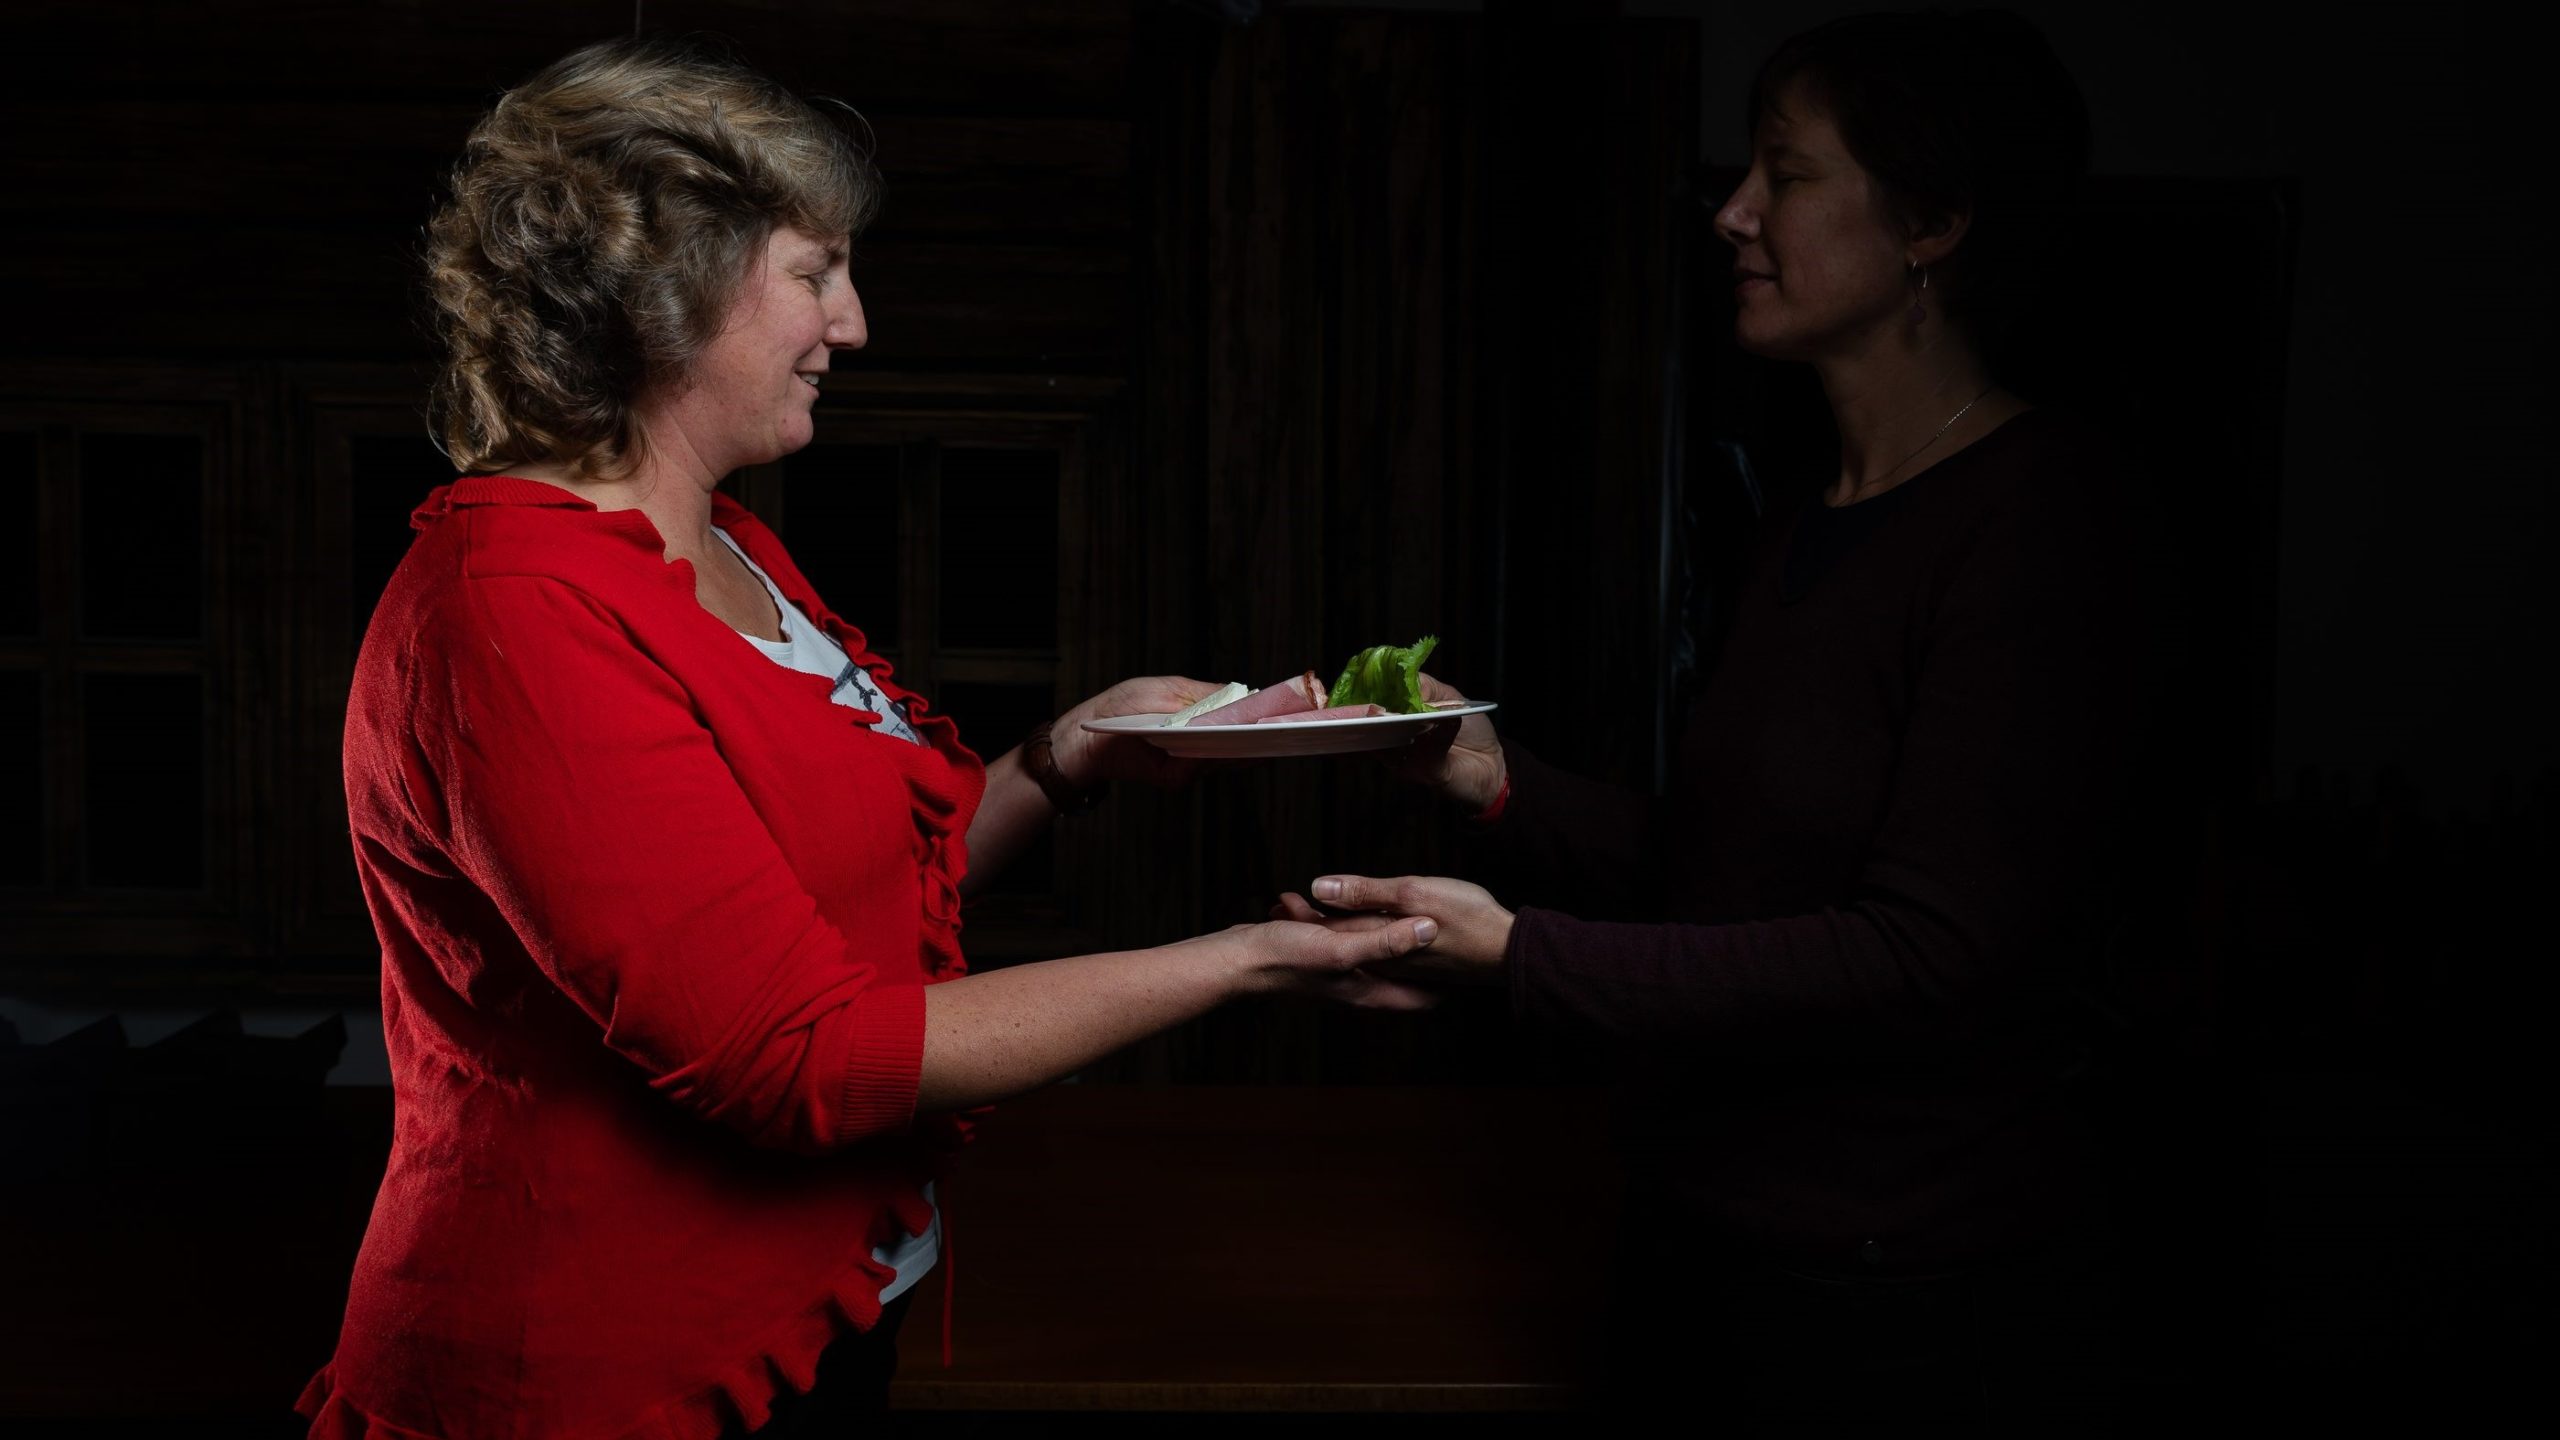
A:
[1089,758]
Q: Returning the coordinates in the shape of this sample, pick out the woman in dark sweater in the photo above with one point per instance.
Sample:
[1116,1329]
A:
[1843,953]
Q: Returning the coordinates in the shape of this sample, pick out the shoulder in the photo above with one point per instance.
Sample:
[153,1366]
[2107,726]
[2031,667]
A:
[2047,457]
[2034,528]
[2048,479]
[538,575]
[519,625]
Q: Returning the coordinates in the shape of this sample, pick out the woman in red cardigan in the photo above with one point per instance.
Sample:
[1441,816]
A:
[667,868]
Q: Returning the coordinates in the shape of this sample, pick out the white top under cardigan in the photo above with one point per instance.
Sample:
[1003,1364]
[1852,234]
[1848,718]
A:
[806,648]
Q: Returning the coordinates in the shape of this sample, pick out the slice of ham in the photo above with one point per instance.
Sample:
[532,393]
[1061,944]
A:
[1338,712]
[1301,692]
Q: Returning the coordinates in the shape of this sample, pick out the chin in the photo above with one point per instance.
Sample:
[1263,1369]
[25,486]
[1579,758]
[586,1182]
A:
[791,437]
[1757,340]
[1789,337]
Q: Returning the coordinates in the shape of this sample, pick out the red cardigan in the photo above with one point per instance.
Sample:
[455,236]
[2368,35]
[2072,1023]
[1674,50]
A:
[656,919]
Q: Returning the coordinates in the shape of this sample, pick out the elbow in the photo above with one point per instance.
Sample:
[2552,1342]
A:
[806,1115]
[1942,982]
[851,1076]
[814,1130]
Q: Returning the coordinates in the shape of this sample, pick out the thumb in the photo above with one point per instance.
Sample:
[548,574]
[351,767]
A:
[1388,942]
[1356,892]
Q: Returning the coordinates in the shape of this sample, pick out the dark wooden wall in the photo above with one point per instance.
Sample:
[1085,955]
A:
[211,227]
[249,180]
[1335,329]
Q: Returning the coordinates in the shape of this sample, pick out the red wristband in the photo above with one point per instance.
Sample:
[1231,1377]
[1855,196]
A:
[1501,799]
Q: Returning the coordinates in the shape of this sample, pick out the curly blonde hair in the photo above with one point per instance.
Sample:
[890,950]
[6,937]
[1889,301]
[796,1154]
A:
[602,218]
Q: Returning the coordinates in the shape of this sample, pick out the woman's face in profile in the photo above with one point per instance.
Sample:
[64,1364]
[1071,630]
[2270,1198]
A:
[748,395]
[1818,262]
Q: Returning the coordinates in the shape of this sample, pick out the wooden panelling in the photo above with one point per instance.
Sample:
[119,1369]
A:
[181,183]
[1050,177]
[175,899]
[1329,361]
[336,164]
[270,160]
[1036,59]
[1345,328]
[270,291]
[1048,57]
[322,925]
[241,193]
[218,293]
[1589,143]
[954,303]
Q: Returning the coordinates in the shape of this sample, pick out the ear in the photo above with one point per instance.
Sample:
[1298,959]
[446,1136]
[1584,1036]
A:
[1933,240]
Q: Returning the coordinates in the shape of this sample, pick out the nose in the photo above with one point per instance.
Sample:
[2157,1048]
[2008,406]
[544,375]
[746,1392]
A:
[846,327]
[1738,223]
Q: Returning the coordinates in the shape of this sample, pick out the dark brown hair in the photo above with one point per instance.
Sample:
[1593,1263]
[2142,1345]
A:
[1967,113]
[600,223]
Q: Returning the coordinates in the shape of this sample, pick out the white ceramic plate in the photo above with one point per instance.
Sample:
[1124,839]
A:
[1280,737]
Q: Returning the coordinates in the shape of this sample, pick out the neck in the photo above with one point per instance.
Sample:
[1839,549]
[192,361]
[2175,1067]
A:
[671,485]
[1892,394]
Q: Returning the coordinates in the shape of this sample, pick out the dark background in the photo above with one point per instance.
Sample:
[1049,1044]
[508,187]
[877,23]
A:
[1300,328]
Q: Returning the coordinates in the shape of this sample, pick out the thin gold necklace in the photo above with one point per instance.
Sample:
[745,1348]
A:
[1942,432]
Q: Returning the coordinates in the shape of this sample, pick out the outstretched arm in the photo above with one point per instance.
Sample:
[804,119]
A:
[1015,811]
[1007,1031]
[1988,874]
[560,773]
[1548,831]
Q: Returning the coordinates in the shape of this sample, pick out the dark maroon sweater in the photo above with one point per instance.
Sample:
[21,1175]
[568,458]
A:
[1866,906]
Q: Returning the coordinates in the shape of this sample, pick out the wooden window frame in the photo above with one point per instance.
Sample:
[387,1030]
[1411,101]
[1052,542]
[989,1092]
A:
[324,934]
[68,930]
[276,655]
[1078,418]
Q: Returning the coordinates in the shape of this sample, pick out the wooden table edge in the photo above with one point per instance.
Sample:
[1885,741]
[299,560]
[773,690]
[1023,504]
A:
[1242,1396]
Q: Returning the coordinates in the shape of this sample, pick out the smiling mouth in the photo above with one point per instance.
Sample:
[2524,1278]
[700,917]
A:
[810,378]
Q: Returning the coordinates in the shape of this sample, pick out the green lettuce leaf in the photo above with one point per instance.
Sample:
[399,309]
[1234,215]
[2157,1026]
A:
[1386,675]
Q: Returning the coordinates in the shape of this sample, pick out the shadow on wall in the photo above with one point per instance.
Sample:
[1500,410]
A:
[2370,929]
[2384,957]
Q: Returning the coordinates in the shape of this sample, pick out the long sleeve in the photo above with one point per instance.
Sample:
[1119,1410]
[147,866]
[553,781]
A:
[1985,871]
[1566,835]
[569,778]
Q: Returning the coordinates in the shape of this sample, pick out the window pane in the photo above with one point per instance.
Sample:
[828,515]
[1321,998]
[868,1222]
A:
[841,518]
[994,719]
[18,602]
[143,796]
[386,478]
[21,778]
[142,536]
[999,548]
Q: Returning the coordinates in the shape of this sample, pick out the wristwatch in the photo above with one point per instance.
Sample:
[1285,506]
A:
[1041,762]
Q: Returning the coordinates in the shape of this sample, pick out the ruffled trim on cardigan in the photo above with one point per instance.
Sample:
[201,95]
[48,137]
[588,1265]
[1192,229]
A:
[334,1417]
[741,1394]
[945,778]
[942,848]
[942,859]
